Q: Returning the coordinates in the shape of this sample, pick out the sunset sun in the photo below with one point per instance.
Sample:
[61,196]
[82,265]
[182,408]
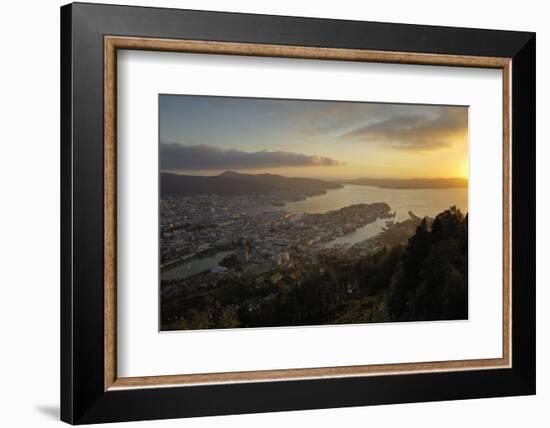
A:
[463,169]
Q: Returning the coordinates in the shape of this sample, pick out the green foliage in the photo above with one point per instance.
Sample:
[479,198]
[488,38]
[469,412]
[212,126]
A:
[432,280]
[193,320]
[229,318]
[375,272]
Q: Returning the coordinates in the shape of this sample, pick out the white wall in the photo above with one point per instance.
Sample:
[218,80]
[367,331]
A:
[29,215]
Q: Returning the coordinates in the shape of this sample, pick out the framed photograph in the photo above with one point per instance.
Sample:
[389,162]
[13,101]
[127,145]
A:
[266,213]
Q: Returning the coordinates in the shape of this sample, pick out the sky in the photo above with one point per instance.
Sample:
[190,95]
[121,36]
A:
[205,135]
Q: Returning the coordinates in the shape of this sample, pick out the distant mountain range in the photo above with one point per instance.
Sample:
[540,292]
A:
[231,183]
[410,183]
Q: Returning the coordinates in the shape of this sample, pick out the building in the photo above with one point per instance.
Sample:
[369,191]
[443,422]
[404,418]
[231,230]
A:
[242,256]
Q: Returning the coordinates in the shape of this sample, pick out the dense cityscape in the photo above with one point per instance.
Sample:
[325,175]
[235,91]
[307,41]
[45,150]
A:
[198,225]
[254,246]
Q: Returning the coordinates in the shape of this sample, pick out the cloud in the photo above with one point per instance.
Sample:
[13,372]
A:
[421,132]
[174,156]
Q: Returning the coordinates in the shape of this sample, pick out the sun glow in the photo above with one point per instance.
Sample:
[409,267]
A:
[463,169]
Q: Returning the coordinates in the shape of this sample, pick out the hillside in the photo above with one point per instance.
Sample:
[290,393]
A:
[232,183]
[304,185]
[410,183]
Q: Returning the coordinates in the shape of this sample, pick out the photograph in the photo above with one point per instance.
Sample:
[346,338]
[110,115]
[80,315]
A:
[290,212]
[261,212]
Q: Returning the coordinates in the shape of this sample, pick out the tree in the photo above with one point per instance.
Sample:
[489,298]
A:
[229,318]
[431,282]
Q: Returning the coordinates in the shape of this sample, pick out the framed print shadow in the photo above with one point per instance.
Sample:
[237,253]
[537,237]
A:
[267,213]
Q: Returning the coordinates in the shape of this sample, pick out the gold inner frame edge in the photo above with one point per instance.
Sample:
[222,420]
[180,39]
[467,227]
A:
[113,43]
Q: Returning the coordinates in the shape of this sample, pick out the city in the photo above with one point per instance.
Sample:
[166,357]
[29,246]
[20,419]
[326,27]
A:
[239,242]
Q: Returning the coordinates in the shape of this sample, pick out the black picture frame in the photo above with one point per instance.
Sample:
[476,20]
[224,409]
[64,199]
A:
[83,398]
